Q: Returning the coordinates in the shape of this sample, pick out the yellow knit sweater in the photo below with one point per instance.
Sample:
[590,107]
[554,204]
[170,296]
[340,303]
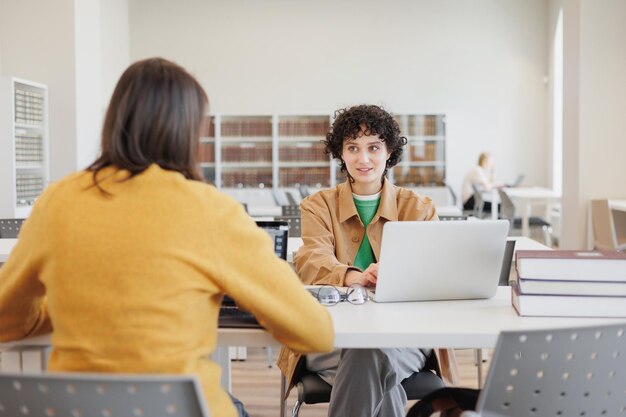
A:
[132,282]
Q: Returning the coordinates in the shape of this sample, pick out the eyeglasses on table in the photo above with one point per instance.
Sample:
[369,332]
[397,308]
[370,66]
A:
[329,295]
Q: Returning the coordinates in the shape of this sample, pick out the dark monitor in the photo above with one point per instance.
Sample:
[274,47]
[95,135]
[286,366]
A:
[279,232]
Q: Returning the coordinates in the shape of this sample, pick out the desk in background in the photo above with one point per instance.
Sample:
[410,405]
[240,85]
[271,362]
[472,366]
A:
[525,197]
[618,205]
[6,245]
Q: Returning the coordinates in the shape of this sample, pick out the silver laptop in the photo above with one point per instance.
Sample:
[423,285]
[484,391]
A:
[425,261]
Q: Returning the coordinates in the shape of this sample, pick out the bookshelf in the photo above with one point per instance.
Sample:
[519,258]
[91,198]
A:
[24,138]
[285,151]
[423,162]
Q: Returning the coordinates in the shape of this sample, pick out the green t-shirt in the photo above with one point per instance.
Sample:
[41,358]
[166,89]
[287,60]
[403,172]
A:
[367,210]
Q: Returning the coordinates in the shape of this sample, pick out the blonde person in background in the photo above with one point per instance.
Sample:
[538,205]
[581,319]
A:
[341,231]
[127,261]
[480,176]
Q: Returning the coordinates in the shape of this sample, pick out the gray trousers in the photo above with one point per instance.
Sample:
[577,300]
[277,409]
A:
[366,382]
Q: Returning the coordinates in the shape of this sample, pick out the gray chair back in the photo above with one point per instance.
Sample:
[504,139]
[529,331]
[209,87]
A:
[10,228]
[102,395]
[604,230]
[561,372]
[507,208]
[295,228]
[478,202]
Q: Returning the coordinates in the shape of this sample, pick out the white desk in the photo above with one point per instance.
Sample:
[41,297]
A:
[526,197]
[453,324]
[619,205]
[449,211]
[6,245]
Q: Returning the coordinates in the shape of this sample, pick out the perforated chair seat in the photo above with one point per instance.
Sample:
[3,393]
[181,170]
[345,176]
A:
[558,372]
[106,395]
[10,228]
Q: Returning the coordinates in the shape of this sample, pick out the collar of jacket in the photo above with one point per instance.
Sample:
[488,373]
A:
[388,207]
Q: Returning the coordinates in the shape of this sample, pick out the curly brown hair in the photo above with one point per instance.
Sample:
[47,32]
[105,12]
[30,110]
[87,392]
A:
[365,119]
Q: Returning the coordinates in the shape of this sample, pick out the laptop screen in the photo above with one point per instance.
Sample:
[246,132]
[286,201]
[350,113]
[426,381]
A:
[279,232]
[506,263]
[230,315]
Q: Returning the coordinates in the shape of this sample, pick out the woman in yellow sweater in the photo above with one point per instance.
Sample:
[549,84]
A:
[127,261]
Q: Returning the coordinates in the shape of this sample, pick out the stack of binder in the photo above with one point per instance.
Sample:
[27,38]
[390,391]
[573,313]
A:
[568,283]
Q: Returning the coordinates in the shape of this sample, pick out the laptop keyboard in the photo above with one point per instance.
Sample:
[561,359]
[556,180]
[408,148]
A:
[232,316]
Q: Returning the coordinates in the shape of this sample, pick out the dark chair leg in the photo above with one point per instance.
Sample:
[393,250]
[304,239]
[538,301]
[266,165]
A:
[296,409]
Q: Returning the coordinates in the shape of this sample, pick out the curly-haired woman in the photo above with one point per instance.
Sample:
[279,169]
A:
[342,230]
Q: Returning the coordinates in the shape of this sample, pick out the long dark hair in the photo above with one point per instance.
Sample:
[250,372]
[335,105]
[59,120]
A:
[155,117]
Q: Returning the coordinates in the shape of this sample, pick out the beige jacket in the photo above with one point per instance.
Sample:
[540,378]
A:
[332,232]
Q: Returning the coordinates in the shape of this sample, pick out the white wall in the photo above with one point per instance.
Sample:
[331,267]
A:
[595,99]
[45,53]
[79,49]
[115,44]
[481,62]
[88,63]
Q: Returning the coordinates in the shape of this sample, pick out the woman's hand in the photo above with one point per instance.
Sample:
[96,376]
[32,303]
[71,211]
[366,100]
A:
[366,278]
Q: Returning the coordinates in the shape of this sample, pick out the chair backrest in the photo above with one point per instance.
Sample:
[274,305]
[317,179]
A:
[10,228]
[106,395]
[558,372]
[478,201]
[295,228]
[604,236]
[291,210]
[507,208]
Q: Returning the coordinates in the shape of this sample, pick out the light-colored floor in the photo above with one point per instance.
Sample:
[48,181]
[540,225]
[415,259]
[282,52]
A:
[258,386]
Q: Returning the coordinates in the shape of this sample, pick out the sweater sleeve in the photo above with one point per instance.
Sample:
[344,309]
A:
[267,286]
[23,309]
[316,262]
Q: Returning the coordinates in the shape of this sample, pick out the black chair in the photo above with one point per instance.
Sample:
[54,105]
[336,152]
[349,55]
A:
[507,211]
[10,228]
[314,390]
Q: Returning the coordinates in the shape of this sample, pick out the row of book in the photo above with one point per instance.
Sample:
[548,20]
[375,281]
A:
[248,178]
[417,125]
[28,107]
[28,187]
[247,152]
[206,152]
[423,152]
[247,128]
[415,176]
[293,177]
[28,147]
[568,283]
[262,152]
[304,127]
[304,151]
[422,125]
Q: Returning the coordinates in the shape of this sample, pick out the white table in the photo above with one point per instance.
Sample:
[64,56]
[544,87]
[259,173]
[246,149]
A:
[617,205]
[449,211]
[6,245]
[525,197]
